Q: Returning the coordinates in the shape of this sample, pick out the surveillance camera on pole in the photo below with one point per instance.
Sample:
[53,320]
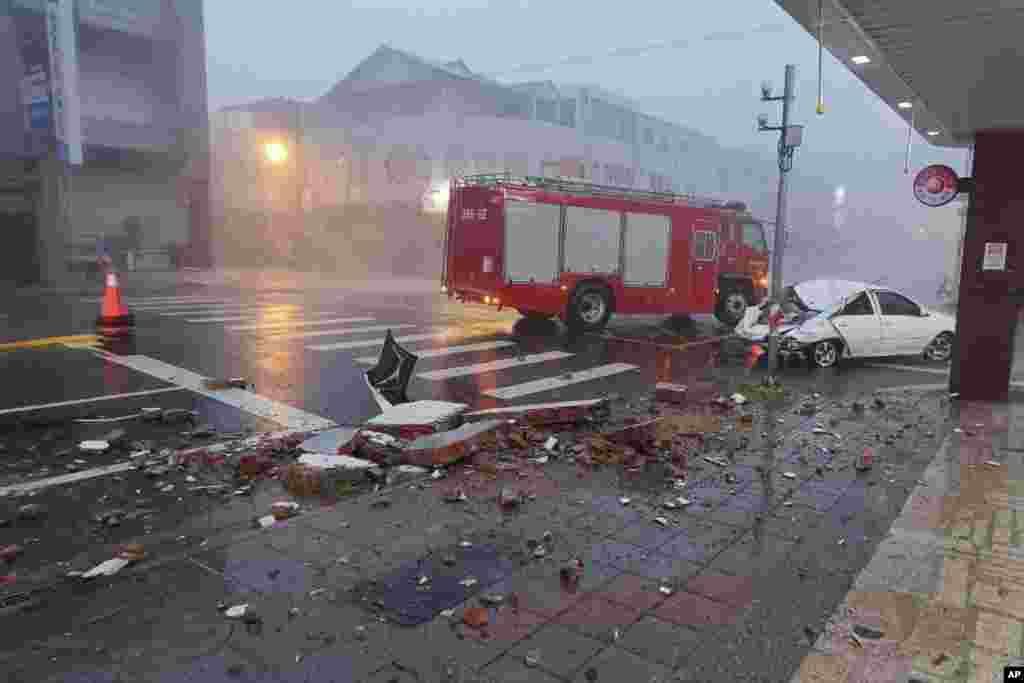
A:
[790,137]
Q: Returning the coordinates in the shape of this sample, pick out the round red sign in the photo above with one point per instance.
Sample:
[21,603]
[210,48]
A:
[936,185]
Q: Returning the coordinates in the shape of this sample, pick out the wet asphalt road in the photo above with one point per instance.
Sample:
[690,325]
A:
[195,335]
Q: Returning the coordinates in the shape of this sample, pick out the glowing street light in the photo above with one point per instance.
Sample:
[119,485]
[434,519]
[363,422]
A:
[275,152]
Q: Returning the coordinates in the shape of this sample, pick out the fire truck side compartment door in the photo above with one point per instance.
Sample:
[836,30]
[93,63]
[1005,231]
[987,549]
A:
[531,241]
[592,240]
[647,247]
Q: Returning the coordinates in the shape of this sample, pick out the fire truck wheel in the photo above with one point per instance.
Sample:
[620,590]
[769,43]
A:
[732,304]
[590,308]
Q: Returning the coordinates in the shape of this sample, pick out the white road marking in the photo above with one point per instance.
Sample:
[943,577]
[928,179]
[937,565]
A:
[160,299]
[910,368]
[297,323]
[926,370]
[242,316]
[250,310]
[192,305]
[29,486]
[446,351]
[551,383]
[341,331]
[260,406]
[523,407]
[94,399]
[492,366]
[365,343]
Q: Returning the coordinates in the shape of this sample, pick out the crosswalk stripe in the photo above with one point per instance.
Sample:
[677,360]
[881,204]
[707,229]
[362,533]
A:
[551,383]
[365,343]
[237,310]
[296,323]
[179,306]
[338,332]
[278,318]
[446,351]
[503,364]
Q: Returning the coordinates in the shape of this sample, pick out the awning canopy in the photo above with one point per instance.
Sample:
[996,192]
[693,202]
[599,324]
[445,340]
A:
[956,63]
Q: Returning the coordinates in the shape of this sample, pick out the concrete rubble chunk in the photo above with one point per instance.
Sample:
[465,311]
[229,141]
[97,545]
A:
[563,412]
[433,450]
[666,392]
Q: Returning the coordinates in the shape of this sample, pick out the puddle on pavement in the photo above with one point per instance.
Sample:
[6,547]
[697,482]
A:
[409,601]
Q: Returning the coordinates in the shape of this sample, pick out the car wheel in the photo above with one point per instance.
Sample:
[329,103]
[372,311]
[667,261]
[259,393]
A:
[732,305]
[590,309]
[825,354]
[940,349]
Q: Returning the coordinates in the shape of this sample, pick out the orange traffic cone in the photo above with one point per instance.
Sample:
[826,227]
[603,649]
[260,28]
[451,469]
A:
[756,351]
[114,315]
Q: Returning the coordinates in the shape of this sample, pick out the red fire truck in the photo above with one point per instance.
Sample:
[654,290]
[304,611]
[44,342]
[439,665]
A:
[559,247]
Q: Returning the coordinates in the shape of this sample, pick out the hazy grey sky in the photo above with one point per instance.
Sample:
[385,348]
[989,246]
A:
[301,48]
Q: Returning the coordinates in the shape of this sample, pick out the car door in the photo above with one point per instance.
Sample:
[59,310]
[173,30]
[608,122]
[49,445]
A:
[905,331]
[860,326]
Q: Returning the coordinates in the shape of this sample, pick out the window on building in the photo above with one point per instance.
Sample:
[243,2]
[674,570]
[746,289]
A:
[683,147]
[567,114]
[648,136]
[547,110]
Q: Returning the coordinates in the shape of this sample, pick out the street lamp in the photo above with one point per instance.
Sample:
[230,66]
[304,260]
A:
[275,152]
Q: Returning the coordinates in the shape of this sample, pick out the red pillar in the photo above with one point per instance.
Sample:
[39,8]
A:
[988,305]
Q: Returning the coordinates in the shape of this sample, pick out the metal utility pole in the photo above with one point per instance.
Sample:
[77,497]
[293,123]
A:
[790,137]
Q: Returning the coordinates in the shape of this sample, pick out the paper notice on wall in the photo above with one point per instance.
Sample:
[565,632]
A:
[995,256]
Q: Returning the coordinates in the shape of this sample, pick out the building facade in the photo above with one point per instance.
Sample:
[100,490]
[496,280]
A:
[142,182]
[375,153]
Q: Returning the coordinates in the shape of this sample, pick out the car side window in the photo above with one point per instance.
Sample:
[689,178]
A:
[859,305]
[896,304]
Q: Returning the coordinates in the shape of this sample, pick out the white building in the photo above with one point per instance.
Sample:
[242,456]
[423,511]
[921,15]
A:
[393,131]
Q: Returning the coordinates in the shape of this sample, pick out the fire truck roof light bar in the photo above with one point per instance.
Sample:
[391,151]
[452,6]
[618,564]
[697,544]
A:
[591,189]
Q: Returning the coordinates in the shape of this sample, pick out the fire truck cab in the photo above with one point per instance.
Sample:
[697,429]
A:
[560,247]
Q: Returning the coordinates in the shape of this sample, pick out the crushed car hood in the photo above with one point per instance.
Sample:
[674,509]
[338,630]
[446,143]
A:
[822,295]
[814,298]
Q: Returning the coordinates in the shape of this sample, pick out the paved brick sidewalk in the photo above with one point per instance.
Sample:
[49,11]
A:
[945,591]
[735,586]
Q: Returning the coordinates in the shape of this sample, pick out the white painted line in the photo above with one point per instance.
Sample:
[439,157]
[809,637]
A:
[446,351]
[249,310]
[94,399]
[297,323]
[338,332]
[196,305]
[492,366]
[28,486]
[260,406]
[365,343]
[930,371]
[552,383]
[522,407]
[248,315]
[159,299]
[911,368]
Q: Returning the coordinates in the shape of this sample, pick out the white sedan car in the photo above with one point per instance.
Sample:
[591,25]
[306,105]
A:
[855,320]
